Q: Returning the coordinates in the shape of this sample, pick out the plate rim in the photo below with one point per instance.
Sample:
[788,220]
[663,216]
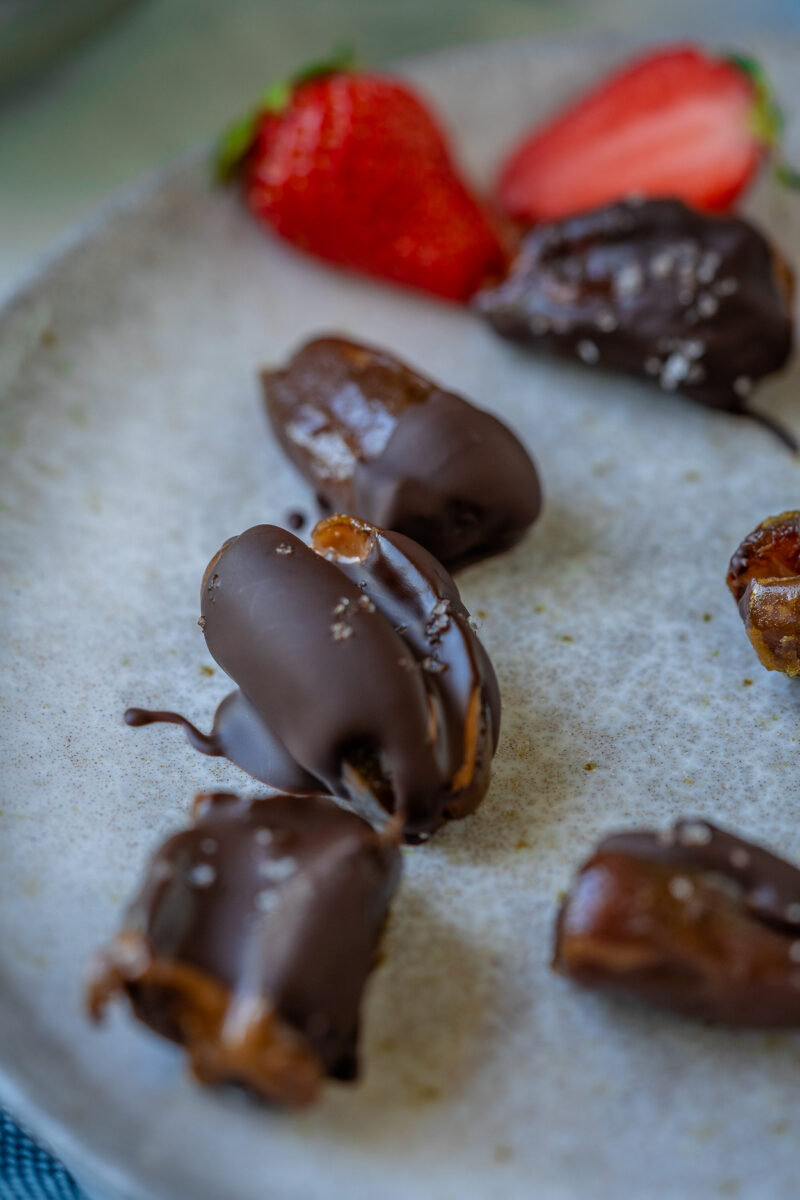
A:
[97,1174]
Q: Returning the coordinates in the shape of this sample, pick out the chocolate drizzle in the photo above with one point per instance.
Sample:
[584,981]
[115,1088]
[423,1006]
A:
[700,304]
[252,938]
[376,439]
[359,671]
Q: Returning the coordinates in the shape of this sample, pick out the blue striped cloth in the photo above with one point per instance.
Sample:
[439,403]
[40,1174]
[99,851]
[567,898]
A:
[29,1173]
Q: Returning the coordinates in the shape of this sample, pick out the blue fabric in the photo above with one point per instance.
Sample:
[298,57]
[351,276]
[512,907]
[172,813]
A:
[29,1173]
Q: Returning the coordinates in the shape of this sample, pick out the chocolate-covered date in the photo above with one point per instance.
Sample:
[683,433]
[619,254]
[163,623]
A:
[764,579]
[376,439]
[699,304]
[359,672]
[251,941]
[698,921]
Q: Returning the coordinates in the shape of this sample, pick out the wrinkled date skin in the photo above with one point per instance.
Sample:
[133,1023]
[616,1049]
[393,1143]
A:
[359,673]
[697,921]
[378,440]
[252,938]
[701,305]
[764,579]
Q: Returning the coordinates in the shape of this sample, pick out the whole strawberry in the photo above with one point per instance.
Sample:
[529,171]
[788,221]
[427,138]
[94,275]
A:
[352,168]
[677,122]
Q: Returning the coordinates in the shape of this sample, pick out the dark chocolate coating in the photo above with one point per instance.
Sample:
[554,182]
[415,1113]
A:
[360,674]
[764,579]
[700,304]
[277,905]
[698,921]
[376,439]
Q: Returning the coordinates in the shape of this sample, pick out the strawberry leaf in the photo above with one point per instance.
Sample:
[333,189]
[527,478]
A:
[766,118]
[787,175]
[237,140]
[234,146]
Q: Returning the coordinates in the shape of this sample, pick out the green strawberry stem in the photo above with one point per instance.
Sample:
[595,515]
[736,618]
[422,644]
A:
[237,140]
[766,118]
[788,175]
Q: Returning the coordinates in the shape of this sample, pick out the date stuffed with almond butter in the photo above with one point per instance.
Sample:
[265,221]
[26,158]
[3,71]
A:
[698,921]
[764,579]
[699,304]
[251,940]
[358,672]
[378,440]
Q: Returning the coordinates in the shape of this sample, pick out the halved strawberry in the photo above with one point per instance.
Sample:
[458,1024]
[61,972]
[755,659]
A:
[678,122]
[353,168]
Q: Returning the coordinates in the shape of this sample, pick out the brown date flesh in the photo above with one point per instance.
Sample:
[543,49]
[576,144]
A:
[697,921]
[699,304]
[764,579]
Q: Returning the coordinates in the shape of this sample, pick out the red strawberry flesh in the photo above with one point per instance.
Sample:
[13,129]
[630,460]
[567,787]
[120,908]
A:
[356,171]
[675,123]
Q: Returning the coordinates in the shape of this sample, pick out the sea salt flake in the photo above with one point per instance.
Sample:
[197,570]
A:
[629,280]
[432,665]
[674,371]
[606,321]
[202,875]
[707,306]
[709,265]
[681,888]
[277,870]
[695,833]
[662,264]
[439,619]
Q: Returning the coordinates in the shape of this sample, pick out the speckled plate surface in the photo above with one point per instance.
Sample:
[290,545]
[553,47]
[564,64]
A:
[134,444]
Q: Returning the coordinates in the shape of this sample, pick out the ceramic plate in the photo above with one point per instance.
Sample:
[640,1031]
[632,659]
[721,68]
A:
[134,445]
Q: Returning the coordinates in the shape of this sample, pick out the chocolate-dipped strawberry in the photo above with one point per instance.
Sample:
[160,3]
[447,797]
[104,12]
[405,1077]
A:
[698,921]
[376,439]
[764,579]
[699,304]
[252,938]
[359,672]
